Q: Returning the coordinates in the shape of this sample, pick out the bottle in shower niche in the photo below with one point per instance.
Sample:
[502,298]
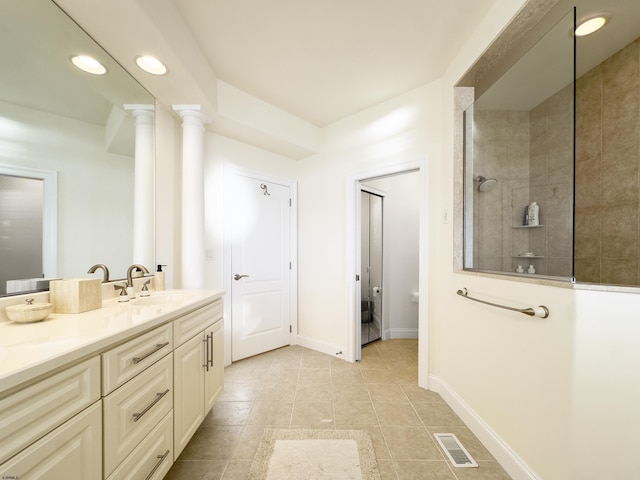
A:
[533,212]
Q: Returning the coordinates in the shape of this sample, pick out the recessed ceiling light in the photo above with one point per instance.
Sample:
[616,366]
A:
[151,65]
[89,64]
[591,25]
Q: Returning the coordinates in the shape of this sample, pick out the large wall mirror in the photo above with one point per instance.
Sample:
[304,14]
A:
[564,134]
[76,154]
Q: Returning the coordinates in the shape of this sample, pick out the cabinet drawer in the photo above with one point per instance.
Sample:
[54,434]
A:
[193,323]
[127,360]
[134,409]
[152,459]
[34,411]
[72,450]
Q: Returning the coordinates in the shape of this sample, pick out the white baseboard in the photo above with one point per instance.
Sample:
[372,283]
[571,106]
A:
[399,333]
[508,459]
[323,347]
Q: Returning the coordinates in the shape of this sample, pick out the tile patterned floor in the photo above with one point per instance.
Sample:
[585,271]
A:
[294,387]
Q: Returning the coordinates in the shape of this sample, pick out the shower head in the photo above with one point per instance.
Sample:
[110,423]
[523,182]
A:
[486,184]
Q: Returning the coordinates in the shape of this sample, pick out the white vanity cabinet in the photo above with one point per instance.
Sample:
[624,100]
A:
[53,428]
[119,405]
[138,396]
[198,370]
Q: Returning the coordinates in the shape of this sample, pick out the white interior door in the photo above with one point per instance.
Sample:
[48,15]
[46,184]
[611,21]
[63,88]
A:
[260,266]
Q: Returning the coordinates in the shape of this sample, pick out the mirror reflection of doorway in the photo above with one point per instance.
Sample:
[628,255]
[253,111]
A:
[371,262]
[21,223]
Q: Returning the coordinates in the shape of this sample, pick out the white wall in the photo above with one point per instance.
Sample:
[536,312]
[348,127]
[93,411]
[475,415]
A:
[401,253]
[549,395]
[401,130]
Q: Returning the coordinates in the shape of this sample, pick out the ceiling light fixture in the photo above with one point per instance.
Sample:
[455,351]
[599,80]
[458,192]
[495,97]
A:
[587,27]
[151,65]
[89,64]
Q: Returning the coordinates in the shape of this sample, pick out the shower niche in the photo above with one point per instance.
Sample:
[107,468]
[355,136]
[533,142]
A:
[519,151]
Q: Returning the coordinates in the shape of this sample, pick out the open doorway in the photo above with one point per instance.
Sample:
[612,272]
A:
[388,271]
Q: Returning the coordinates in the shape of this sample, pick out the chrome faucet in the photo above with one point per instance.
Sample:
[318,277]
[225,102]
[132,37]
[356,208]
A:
[93,269]
[135,266]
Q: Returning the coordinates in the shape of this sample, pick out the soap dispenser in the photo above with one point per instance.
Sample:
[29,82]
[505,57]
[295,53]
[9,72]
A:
[158,279]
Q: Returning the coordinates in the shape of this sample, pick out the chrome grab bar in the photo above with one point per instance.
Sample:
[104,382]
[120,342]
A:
[539,311]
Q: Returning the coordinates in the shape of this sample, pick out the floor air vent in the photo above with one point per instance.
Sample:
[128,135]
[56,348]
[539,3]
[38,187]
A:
[455,451]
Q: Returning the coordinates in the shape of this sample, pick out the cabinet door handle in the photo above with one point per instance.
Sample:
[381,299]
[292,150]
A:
[138,416]
[159,346]
[157,465]
[206,352]
[211,346]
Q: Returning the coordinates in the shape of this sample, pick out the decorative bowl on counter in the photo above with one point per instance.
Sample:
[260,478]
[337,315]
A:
[28,312]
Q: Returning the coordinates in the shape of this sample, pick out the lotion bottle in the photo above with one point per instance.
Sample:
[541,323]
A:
[534,211]
[158,279]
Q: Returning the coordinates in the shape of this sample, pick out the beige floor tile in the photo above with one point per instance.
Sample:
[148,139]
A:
[410,443]
[386,393]
[354,413]
[212,443]
[237,470]
[415,394]
[294,387]
[270,413]
[396,413]
[346,377]
[228,413]
[239,392]
[277,392]
[314,393]
[315,375]
[485,471]
[249,440]
[312,413]
[437,415]
[350,393]
[387,470]
[423,470]
[197,470]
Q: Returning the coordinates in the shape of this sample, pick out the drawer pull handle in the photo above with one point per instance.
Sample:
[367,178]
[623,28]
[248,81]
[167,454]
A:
[160,460]
[211,349]
[138,416]
[159,346]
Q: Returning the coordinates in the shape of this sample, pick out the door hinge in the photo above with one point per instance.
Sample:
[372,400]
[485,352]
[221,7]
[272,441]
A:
[290,329]
[357,278]
[289,265]
[289,202]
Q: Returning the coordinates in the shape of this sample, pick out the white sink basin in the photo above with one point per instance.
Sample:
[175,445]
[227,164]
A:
[160,299]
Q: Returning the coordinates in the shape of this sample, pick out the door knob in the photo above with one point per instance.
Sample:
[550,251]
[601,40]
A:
[237,276]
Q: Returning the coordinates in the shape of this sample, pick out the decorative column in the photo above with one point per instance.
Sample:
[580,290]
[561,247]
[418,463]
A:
[143,188]
[193,120]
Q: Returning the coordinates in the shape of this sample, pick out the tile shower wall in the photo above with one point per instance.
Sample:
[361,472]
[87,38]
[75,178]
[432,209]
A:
[607,159]
[530,152]
[501,151]
[551,183]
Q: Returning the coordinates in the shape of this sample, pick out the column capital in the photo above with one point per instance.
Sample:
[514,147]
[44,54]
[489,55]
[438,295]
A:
[189,110]
[140,109]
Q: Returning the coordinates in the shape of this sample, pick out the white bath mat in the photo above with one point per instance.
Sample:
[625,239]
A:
[314,455]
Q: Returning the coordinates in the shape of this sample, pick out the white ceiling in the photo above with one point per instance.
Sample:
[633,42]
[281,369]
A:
[323,60]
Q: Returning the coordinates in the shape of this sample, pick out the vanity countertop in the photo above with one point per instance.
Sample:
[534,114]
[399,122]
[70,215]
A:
[30,350]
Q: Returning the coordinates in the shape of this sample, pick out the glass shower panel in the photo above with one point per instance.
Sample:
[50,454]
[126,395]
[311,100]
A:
[371,264]
[519,158]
